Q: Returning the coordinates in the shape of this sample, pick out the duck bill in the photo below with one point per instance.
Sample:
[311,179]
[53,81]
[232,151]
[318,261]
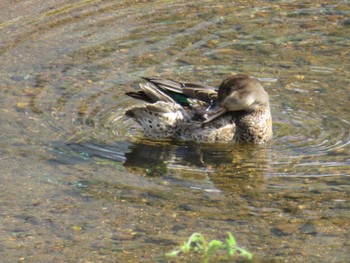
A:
[214,113]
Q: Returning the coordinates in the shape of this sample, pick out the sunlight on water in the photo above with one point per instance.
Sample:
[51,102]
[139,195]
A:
[80,182]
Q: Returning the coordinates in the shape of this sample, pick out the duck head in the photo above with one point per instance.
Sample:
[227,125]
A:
[239,93]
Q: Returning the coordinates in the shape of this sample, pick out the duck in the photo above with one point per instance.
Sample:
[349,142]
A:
[238,111]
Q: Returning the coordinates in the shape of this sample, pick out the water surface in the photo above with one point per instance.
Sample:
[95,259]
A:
[80,184]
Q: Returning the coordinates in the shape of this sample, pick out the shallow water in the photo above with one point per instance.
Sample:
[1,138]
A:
[80,184]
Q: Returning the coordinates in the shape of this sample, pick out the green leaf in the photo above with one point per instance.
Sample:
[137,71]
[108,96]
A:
[231,241]
[213,246]
[173,254]
[245,253]
[231,245]
[198,243]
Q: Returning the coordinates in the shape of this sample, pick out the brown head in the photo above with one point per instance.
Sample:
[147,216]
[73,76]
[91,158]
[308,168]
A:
[241,92]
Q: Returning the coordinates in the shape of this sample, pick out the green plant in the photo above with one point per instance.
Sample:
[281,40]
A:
[198,243]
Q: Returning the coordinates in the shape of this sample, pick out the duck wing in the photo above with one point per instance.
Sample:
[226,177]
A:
[199,99]
[182,92]
[150,93]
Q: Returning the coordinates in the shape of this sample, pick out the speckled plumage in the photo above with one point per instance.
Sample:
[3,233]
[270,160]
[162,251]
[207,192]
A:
[238,111]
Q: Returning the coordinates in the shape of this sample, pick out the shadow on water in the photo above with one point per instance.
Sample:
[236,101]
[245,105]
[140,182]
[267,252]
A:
[217,163]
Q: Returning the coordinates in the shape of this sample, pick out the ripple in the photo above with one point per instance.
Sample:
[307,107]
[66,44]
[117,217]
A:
[73,68]
[312,134]
[309,140]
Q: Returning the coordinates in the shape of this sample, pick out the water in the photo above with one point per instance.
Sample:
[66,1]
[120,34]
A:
[79,184]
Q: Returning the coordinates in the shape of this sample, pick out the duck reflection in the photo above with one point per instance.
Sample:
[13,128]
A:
[223,163]
[233,168]
[148,159]
[245,173]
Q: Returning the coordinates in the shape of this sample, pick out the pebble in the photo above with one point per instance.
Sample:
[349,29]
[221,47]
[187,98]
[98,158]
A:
[285,229]
[308,228]
[21,105]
